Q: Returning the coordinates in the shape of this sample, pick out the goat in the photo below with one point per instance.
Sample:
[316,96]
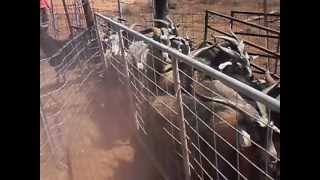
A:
[161,109]
[258,124]
[231,51]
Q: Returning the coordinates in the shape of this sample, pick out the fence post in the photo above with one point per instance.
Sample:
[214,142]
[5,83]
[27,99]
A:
[88,13]
[100,43]
[119,10]
[205,27]
[181,124]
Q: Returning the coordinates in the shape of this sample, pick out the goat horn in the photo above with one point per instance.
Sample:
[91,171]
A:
[229,51]
[169,19]
[240,46]
[268,77]
[234,35]
[198,51]
[232,40]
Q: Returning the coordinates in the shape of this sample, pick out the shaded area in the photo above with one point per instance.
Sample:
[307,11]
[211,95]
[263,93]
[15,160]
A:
[102,145]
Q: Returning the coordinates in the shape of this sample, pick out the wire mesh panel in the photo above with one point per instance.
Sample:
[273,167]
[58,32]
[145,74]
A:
[197,122]
[64,83]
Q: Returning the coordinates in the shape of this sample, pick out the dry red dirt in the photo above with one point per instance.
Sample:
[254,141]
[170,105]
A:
[100,138]
[104,146]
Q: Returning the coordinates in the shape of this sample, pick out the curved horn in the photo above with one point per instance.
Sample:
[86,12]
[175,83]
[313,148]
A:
[169,20]
[232,40]
[198,51]
[234,35]
[240,46]
[232,53]
[268,77]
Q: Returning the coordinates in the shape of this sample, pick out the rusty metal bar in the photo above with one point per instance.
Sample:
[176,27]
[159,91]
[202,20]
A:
[119,9]
[78,27]
[88,13]
[264,70]
[277,55]
[181,124]
[68,17]
[206,28]
[243,22]
[257,35]
[253,13]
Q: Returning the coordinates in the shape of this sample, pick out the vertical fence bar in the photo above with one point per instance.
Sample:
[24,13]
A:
[100,43]
[68,17]
[119,10]
[277,59]
[231,21]
[181,124]
[88,13]
[205,27]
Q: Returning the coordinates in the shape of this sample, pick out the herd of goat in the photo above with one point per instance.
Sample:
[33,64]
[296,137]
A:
[250,118]
[225,111]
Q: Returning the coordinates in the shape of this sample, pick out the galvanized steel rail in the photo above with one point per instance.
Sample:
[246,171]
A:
[270,102]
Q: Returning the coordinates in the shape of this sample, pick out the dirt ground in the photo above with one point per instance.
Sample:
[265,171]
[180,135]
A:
[100,141]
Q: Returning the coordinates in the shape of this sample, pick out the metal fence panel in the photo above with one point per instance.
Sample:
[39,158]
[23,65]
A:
[63,102]
[189,137]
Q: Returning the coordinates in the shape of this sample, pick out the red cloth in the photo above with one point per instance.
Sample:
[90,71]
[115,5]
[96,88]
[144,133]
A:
[44,4]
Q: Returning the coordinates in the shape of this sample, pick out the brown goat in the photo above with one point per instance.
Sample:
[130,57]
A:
[157,116]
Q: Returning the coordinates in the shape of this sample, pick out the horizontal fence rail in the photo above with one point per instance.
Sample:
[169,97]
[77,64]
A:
[273,17]
[191,138]
[262,41]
